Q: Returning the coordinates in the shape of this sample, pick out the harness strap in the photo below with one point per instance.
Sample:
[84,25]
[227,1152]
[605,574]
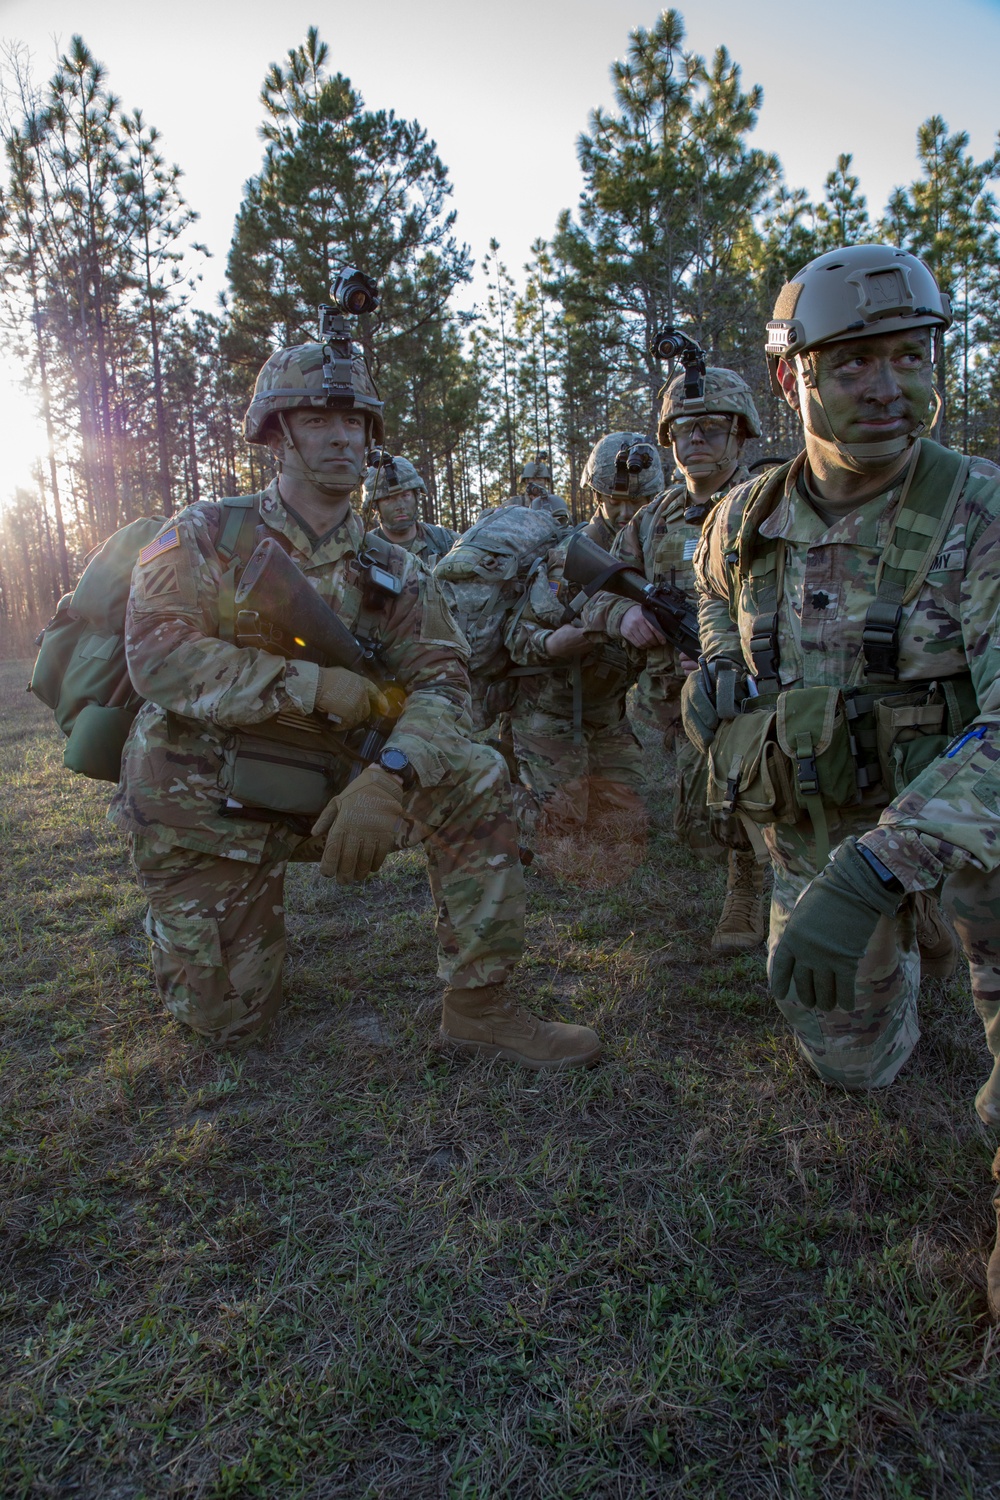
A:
[235,545]
[576,677]
[915,536]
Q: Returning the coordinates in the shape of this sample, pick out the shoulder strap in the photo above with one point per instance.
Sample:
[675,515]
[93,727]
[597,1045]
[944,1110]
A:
[933,484]
[235,545]
[240,515]
[761,561]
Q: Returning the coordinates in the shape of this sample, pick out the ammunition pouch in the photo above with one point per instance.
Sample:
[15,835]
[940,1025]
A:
[809,750]
[913,728]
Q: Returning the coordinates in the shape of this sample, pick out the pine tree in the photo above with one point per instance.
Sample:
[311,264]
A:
[339,185]
[949,217]
[154,215]
[842,219]
[670,188]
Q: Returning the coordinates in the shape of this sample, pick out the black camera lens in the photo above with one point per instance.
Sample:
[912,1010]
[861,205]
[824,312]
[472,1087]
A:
[355,292]
[667,343]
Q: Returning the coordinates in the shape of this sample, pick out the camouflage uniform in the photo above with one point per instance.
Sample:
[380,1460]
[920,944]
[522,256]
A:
[660,544]
[430,542]
[214,883]
[576,753]
[390,478]
[943,831]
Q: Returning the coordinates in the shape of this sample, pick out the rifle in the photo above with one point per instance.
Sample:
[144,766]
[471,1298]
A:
[664,603]
[279,611]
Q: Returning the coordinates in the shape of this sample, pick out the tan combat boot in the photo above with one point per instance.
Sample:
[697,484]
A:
[993,1264]
[742,925]
[493,1024]
[935,939]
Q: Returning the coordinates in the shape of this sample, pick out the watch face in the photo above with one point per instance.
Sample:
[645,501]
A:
[394,760]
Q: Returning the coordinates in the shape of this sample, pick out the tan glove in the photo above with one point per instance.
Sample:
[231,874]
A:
[362,825]
[348,697]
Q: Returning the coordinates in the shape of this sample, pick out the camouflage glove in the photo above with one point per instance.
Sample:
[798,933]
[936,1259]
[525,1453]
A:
[362,825]
[348,697]
[829,928]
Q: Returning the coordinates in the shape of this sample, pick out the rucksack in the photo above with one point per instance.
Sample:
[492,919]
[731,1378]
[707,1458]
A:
[487,572]
[81,672]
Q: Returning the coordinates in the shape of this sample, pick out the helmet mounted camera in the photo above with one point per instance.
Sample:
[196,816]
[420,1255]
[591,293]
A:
[354,294]
[670,343]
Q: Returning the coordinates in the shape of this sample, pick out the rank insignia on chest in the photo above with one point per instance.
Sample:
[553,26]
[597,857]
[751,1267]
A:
[164,543]
[690,548]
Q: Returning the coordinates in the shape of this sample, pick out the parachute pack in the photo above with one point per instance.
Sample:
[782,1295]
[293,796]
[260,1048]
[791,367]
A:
[80,672]
[487,572]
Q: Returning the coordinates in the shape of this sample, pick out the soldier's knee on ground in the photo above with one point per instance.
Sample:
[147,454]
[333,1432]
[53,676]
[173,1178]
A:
[228,998]
[217,936]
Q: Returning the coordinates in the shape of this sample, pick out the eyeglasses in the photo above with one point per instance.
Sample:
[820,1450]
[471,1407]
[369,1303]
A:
[709,427]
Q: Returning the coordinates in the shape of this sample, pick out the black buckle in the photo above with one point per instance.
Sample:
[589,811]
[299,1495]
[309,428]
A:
[805,766]
[764,648]
[732,792]
[880,640]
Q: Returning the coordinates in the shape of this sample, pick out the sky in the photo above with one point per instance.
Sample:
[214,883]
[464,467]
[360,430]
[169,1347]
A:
[506,88]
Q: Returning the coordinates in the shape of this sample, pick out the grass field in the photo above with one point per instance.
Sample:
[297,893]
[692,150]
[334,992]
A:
[345,1265]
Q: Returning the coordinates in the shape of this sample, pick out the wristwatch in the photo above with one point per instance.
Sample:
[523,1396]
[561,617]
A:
[891,882]
[397,764]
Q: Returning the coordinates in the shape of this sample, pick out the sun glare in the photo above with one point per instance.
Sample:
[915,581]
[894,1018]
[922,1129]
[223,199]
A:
[22,441]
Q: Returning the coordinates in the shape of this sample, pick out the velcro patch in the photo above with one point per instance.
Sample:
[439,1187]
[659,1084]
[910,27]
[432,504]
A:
[163,543]
[690,547]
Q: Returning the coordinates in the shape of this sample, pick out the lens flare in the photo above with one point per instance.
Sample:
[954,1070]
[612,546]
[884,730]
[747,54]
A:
[22,440]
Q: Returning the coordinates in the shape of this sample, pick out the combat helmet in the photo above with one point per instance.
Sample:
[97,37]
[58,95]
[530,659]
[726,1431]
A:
[393,476]
[296,377]
[851,293]
[539,471]
[725,393]
[623,465]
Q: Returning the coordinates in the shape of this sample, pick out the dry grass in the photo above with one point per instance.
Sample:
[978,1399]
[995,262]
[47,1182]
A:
[348,1266]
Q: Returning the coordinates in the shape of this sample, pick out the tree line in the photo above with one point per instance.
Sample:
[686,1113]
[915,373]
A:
[681,220]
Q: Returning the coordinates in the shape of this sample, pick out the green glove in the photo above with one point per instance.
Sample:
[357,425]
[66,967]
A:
[829,928]
[698,712]
[362,825]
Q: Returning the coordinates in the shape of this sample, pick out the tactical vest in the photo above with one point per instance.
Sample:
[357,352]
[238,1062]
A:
[783,752]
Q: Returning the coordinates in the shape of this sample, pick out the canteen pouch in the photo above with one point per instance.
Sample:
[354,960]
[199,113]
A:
[96,741]
[747,773]
[257,773]
[785,756]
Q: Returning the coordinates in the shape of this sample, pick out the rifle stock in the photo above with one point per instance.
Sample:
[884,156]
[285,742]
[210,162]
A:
[665,604]
[279,610]
[275,590]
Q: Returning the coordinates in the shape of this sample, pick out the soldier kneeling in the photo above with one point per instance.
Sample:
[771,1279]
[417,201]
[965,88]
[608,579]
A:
[208,773]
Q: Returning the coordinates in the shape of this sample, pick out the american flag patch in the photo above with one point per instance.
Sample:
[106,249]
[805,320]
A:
[163,543]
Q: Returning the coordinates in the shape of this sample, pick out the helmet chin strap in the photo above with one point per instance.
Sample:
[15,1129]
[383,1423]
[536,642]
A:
[860,458]
[319,481]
